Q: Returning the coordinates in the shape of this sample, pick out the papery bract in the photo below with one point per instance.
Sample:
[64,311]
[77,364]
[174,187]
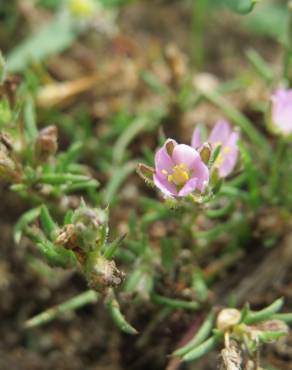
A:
[222,135]
[179,170]
[282,111]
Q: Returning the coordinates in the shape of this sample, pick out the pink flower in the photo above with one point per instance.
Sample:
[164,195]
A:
[179,170]
[282,111]
[224,136]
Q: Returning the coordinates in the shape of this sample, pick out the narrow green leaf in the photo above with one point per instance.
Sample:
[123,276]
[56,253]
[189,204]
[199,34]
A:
[252,175]
[202,349]
[118,176]
[24,221]
[90,296]
[265,314]
[112,247]
[57,256]
[30,119]
[54,37]
[174,303]
[199,337]
[59,178]
[241,6]
[271,336]
[68,217]
[48,224]
[118,317]
[286,317]
[260,65]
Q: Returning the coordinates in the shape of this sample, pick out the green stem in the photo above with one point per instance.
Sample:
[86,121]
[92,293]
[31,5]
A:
[275,176]
[90,296]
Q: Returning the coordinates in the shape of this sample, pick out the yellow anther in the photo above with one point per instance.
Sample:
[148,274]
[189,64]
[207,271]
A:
[180,175]
[226,149]
[164,172]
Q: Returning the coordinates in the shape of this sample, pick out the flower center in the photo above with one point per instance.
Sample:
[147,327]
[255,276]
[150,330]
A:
[180,175]
[221,157]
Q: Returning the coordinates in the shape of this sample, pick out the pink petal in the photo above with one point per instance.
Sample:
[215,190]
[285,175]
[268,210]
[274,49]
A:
[164,186]
[196,138]
[220,133]
[162,160]
[282,110]
[229,158]
[185,154]
[201,173]
[188,188]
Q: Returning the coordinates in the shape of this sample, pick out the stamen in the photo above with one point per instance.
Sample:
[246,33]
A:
[180,175]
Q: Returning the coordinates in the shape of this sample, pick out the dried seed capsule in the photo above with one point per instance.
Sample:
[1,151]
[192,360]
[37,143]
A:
[228,318]
[102,274]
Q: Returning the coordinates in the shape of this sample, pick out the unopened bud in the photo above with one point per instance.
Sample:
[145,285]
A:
[146,173]
[47,143]
[91,225]
[205,152]
[170,147]
[227,318]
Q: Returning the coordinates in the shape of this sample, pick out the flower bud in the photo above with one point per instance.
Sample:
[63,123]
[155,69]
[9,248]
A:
[46,143]
[205,152]
[227,318]
[146,173]
[91,225]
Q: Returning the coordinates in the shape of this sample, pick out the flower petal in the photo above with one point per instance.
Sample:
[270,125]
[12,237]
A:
[168,189]
[282,110]
[162,159]
[188,188]
[196,138]
[201,173]
[220,133]
[229,153]
[184,154]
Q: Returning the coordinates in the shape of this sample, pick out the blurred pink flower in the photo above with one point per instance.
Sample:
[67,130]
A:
[179,170]
[282,111]
[223,135]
